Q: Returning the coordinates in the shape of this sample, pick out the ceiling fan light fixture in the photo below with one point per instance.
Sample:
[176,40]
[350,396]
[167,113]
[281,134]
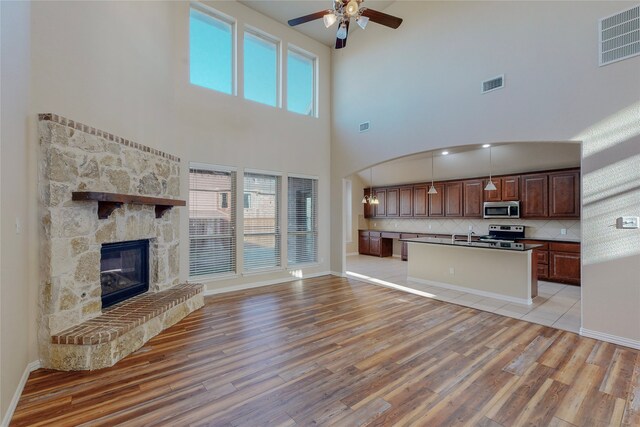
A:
[342,31]
[329,19]
[352,8]
[362,21]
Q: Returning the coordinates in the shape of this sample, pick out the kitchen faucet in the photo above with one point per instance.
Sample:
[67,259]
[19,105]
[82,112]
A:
[469,236]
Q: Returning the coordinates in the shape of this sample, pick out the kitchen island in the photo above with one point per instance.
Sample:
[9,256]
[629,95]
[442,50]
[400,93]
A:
[496,270]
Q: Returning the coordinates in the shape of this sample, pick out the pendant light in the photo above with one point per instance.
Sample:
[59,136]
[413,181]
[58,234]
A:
[432,189]
[370,198]
[490,185]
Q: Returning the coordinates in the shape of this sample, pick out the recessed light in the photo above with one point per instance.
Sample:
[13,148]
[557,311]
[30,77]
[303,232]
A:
[444,153]
[486,145]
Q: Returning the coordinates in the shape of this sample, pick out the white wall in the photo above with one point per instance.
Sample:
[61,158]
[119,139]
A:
[125,68]
[419,86]
[17,197]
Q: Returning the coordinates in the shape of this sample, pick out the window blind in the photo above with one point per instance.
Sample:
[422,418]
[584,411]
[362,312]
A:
[302,230]
[212,221]
[261,221]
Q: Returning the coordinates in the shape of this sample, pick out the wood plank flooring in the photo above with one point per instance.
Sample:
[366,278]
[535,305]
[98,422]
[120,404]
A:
[334,351]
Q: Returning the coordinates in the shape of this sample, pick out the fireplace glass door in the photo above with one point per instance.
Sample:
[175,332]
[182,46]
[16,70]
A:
[124,270]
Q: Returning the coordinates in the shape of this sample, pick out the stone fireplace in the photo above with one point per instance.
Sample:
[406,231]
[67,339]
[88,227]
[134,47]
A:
[85,251]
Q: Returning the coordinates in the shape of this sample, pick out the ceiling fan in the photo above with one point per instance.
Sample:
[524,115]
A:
[342,12]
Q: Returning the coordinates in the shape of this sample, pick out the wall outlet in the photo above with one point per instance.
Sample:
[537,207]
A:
[563,231]
[628,222]
[452,271]
[375,224]
[429,226]
[396,225]
[18,226]
[471,228]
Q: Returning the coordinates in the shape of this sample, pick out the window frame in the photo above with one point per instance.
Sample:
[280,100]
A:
[314,215]
[233,23]
[234,225]
[314,59]
[269,38]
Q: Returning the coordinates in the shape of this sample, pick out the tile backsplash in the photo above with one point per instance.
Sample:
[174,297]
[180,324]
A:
[540,229]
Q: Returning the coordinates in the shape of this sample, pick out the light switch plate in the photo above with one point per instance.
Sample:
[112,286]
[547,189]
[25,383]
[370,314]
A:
[628,222]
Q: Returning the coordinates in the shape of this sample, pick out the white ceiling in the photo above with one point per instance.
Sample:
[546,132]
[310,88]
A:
[470,162]
[284,10]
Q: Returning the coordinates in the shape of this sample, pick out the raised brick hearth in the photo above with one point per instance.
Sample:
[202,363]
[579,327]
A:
[74,332]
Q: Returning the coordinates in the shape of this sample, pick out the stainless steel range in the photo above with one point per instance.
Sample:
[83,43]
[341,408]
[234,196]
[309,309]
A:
[503,233]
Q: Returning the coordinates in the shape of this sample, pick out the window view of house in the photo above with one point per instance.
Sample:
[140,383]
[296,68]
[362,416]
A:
[261,221]
[211,51]
[212,240]
[302,230]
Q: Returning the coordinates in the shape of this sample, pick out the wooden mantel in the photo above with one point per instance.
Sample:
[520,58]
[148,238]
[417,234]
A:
[108,202]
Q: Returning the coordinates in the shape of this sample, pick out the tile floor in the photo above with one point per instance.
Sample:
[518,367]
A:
[556,305]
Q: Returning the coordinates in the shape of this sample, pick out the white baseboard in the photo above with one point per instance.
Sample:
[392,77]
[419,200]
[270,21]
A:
[244,286]
[524,301]
[353,253]
[614,339]
[338,274]
[16,395]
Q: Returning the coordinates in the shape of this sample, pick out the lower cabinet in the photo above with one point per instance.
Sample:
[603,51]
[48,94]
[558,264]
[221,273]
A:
[404,247]
[564,263]
[372,243]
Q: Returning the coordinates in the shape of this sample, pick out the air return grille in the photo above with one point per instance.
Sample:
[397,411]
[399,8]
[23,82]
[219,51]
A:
[493,84]
[364,126]
[620,36]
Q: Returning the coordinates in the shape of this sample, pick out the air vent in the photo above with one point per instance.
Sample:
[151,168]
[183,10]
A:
[493,84]
[620,36]
[365,126]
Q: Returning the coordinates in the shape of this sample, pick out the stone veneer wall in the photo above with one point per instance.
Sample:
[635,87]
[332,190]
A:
[76,157]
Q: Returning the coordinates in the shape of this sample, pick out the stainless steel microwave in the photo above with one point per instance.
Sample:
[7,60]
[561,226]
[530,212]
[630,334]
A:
[501,210]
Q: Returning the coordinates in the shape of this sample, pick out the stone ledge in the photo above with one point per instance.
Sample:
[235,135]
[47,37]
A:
[121,318]
[78,357]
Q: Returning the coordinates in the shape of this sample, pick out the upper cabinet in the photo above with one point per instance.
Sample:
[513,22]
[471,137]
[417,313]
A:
[564,194]
[534,189]
[553,194]
[472,191]
[406,201]
[368,207]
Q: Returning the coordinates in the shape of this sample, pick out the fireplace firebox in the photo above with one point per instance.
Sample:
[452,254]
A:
[124,270]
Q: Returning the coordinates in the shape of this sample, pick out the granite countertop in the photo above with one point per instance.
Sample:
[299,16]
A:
[518,247]
[542,239]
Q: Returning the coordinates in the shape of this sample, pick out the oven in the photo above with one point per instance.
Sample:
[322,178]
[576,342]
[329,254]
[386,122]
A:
[501,210]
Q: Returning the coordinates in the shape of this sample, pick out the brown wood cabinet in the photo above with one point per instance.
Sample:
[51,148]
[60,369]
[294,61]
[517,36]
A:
[493,195]
[372,243]
[510,188]
[472,191]
[436,201]
[404,249]
[564,194]
[420,201]
[368,207]
[534,189]
[542,257]
[381,208]
[564,263]
[453,198]
[406,201]
[393,202]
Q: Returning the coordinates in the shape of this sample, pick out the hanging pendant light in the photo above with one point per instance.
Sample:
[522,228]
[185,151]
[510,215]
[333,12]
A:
[372,197]
[490,185]
[432,189]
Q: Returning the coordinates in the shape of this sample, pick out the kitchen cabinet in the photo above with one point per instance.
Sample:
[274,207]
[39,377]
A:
[510,188]
[372,243]
[564,263]
[436,201]
[564,194]
[368,207]
[542,258]
[363,242]
[406,201]
[453,198]
[472,195]
[393,202]
[493,195]
[404,252]
[534,189]
[420,201]
[381,208]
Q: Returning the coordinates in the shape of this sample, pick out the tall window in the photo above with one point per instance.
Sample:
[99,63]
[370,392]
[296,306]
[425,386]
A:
[211,51]
[301,82]
[302,240]
[212,221]
[260,69]
[261,221]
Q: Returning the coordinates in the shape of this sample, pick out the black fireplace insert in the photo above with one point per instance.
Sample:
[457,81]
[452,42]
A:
[124,270]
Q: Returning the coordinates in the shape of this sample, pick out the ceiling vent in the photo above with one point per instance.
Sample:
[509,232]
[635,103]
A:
[493,84]
[620,36]
[365,126]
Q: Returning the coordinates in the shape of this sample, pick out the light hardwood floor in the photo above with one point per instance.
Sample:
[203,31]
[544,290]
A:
[338,351]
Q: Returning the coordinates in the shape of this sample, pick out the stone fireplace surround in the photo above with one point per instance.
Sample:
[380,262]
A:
[73,331]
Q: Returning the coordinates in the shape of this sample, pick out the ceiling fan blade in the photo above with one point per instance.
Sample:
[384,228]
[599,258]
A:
[340,43]
[306,18]
[382,18]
